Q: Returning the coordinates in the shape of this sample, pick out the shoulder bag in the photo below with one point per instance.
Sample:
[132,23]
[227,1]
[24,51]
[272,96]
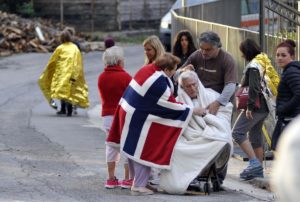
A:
[242,97]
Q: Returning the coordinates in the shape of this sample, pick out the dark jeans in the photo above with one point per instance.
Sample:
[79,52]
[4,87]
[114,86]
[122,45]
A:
[280,126]
[66,107]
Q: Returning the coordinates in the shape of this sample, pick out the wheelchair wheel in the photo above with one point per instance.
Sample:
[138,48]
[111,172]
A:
[206,188]
[216,186]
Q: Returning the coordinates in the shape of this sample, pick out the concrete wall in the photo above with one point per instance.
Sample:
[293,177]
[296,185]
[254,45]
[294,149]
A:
[143,13]
[106,15]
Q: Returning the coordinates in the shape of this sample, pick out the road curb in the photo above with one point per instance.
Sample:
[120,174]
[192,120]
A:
[263,183]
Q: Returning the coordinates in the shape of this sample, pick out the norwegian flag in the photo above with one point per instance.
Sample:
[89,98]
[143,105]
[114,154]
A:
[148,120]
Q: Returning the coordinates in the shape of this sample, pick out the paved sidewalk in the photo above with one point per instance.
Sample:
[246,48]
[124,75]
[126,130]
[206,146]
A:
[236,166]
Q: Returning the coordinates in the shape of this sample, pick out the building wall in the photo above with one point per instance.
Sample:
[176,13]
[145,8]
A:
[105,15]
[138,13]
[222,11]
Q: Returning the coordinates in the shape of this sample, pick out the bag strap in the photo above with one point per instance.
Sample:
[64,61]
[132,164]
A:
[264,86]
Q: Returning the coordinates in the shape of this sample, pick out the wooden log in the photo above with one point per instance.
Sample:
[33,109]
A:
[33,43]
[14,29]
[13,36]
[19,35]
[43,49]
[4,53]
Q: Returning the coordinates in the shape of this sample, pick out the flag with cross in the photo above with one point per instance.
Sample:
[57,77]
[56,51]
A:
[148,120]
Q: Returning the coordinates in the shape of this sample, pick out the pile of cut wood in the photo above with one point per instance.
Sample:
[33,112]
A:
[24,35]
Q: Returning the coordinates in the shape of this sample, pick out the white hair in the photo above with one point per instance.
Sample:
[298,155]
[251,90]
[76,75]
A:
[186,75]
[113,55]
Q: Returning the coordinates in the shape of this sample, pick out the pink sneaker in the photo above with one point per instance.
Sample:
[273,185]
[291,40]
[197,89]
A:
[111,184]
[126,184]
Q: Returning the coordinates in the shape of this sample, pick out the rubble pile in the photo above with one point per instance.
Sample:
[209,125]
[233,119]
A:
[24,35]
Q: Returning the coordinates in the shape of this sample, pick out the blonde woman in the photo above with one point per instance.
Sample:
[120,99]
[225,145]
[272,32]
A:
[153,49]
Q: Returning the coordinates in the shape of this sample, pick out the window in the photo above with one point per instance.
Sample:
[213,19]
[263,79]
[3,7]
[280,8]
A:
[250,7]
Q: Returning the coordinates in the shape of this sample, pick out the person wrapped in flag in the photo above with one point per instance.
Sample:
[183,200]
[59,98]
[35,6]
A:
[148,121]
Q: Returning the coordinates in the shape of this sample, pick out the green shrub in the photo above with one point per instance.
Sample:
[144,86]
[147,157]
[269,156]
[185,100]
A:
[21,7]
[26,10]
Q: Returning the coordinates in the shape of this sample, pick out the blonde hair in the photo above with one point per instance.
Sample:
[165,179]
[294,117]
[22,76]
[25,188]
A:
[155,43]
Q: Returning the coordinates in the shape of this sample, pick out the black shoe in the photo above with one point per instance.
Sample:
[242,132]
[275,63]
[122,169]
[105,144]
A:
[61,112]
[69,109]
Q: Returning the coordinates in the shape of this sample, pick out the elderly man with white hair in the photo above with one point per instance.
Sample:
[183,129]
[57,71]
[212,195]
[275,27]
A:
[206,144]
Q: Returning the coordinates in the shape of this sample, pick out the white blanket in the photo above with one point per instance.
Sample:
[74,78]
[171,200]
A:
[200,143]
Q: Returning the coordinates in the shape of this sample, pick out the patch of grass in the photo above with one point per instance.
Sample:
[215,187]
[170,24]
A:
[130,37]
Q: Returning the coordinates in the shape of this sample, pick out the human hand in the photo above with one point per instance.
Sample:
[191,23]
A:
[249,114]
[199,111]
[213,107]
[188,67]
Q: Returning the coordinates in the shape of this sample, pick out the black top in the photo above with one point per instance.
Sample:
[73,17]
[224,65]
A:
[253,80]
[288,97]
[183,59]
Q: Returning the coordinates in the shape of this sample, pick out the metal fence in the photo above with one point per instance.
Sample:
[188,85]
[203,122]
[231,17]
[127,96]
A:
[230,37]
[276,30]
[282,22]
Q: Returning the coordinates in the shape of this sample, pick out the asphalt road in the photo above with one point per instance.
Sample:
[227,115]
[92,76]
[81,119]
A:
[49,158]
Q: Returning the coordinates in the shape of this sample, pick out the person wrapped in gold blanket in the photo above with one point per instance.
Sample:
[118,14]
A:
[63,77]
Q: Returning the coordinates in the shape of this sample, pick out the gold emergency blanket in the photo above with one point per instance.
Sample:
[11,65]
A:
[271,76]
[63,77]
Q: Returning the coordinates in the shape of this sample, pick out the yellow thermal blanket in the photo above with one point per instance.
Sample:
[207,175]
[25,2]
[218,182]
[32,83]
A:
[63,77]
[271,76]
